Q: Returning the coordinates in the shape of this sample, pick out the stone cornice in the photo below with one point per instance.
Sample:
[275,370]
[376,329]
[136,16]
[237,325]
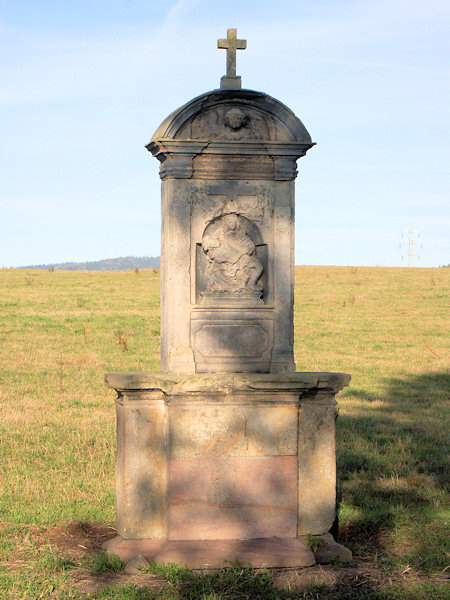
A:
[228,383]
[160,148]
[184,159]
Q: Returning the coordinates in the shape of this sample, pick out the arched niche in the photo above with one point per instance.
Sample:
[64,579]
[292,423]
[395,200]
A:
[231,261]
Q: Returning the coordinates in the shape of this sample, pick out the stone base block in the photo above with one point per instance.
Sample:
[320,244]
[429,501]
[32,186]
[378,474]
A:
[229,456]
[216,554]
[329,551]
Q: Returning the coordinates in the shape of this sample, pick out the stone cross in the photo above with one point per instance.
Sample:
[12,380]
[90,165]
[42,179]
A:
[231,44]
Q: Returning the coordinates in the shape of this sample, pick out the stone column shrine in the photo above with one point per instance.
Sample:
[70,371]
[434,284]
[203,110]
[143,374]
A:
[227,453]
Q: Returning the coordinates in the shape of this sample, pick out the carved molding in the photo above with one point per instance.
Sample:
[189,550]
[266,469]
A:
[161,147]
[181,159]
[178,166]
[285,169]
[231,167]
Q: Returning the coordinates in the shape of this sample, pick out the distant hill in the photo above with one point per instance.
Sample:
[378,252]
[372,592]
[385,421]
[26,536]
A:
[124,263]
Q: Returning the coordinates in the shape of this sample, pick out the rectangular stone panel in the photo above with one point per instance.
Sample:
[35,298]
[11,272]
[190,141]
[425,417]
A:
[232,498]
[316,466]
[206,430]
[231,340]
[226,341]
[141,468]
[211,167]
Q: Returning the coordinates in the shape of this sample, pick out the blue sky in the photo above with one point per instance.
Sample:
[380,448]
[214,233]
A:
[85,84]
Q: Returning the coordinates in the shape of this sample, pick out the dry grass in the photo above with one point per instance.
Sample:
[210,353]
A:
[61,331]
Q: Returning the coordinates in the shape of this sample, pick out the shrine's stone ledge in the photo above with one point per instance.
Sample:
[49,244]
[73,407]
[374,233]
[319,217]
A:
[229,383]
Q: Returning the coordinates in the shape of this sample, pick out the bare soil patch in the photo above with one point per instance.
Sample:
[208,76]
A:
[91,584]
[80,540]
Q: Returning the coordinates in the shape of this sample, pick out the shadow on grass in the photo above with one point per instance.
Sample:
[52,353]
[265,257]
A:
[425,389]
[238,583]
[393,470]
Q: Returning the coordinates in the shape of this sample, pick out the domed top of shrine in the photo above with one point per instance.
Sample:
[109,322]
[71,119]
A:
[233,115]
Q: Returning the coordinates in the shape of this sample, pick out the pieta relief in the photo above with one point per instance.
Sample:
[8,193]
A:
[233,269]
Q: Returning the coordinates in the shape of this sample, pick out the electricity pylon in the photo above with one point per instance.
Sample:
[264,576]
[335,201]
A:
[411,242]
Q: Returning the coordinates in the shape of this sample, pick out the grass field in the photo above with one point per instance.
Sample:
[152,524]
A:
[61,331]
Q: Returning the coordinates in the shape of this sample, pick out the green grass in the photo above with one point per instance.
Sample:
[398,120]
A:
[61,331]
[104,562]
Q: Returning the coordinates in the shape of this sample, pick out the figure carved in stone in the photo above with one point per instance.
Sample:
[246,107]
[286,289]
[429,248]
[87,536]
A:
[233,267]
[229,123]
[235,119]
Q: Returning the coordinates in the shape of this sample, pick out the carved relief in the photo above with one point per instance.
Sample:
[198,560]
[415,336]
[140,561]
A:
[254,202]
[250,206]
[235,119]
[229,123]
[233,266]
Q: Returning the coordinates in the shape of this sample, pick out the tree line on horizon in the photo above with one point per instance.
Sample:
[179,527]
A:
[123,263]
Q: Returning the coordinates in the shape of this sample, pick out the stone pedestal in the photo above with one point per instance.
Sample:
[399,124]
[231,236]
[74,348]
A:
[217,467]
